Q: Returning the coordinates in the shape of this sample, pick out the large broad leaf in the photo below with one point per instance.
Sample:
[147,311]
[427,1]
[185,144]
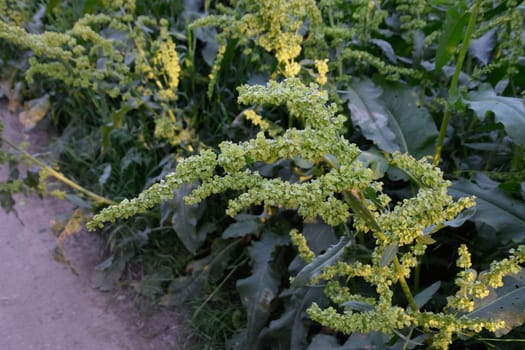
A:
[452,34]
[311,270]
[505,303]
[391,116]
[184,221]
[199,272]
[508,111]
[260,289]
[410,121]
[290,331]
[493,207]
[370,114]
[481,48]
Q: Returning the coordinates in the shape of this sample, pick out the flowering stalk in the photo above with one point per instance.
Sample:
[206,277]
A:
[61,177]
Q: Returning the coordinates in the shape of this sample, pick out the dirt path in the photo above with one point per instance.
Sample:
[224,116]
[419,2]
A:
[43,305]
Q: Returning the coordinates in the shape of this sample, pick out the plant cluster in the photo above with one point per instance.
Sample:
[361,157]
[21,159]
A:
[354,146]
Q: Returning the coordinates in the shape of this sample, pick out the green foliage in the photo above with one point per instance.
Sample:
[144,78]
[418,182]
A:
[339,235]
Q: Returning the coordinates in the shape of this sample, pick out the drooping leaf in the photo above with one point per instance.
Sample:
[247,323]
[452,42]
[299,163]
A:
[452,33]
[184,221]
[505,303]
[290,331]
[258,291]
[386,48]
[509,111]
[481,48]
[493,207]
[311,270]
[426,294]
[392,116]
[369,113]
[410,121]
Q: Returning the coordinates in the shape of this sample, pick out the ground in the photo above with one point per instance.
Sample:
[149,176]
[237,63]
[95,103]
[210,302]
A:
[43,304]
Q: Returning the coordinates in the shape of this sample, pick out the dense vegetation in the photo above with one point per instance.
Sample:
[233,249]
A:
[305,174]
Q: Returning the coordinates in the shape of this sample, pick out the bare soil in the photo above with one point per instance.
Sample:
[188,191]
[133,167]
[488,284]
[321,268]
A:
[43,304]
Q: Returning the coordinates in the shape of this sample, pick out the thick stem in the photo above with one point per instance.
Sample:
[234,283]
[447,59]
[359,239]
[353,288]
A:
[455,79]
[404,285]
[60,177]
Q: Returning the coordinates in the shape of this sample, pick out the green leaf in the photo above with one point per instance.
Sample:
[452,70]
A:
[105,175]
[493,208]
[452,33]
[392,116]
[481,48]
[369,113]
[290,331]
[184,288]
[505,303]
[358,305]
[210,268]
[458,221]
[386,48]
[426,294]
[319,236]
[359,209]
[184,221]
[311,270]
[389,254]
[409,120]
[508,111]
[258,291]
[242,228]
[374,160]
[106,275]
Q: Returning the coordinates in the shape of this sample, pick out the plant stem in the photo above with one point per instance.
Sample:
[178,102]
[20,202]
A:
[404,285]
[455,79]
[361,210]
[61,177]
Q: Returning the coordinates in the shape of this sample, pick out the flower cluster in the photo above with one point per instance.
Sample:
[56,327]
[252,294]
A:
[273,25]
[93,55]
[401,229]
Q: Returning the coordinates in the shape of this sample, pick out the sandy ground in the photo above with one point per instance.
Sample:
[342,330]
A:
[43,305]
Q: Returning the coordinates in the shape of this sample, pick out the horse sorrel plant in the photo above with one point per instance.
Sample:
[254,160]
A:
[354,238]
[344,189]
